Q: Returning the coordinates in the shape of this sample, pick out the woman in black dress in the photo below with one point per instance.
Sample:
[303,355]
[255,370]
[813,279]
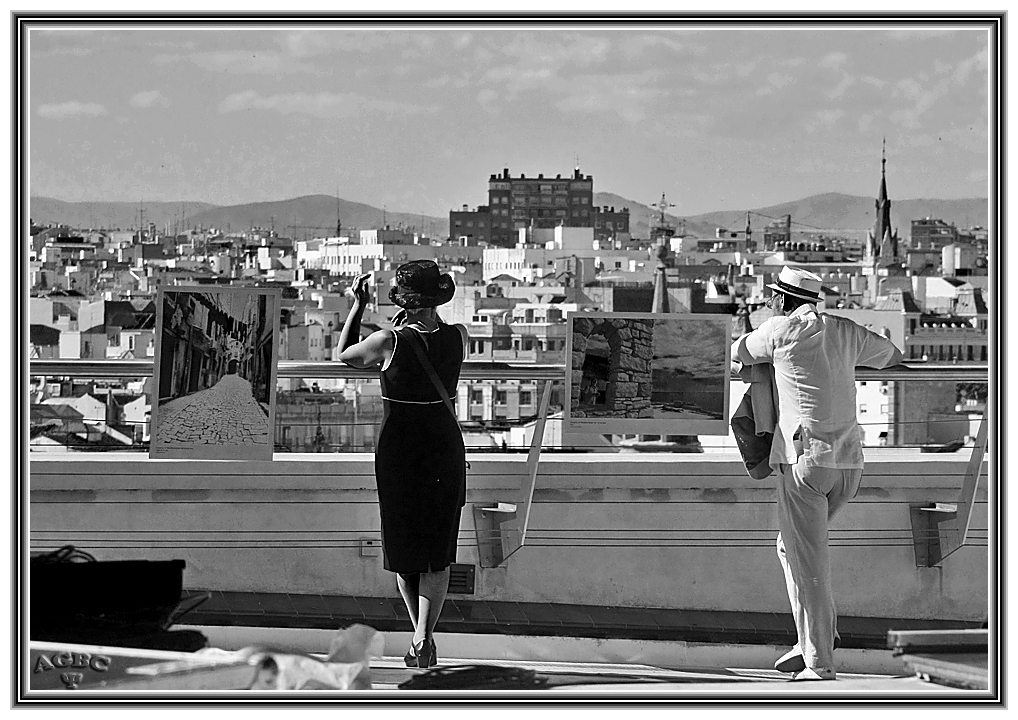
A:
[419,459]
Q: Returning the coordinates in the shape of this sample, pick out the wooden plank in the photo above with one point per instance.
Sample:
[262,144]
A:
[924,640]
[965,670]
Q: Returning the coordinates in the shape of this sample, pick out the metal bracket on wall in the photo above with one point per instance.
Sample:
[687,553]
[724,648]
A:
[926,533]
[944,527]
[502,529]
[492,540]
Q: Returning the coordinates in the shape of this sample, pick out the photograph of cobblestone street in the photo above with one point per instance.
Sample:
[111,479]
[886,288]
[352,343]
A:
[215,373]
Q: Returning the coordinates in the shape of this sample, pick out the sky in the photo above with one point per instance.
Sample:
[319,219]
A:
[417,117]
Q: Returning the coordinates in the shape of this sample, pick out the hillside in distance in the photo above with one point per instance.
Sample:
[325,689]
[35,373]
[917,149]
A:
[111,215]
[315,216]
[828,211]
[309,216]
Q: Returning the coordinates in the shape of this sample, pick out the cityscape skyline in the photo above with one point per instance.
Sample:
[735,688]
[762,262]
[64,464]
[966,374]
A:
[417,120]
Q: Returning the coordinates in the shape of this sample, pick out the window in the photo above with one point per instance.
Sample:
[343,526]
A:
[526,397]
[883,409]
[501,397]
[476,397]
[862,408]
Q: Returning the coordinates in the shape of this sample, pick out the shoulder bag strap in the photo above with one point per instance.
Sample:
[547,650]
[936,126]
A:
[415,343]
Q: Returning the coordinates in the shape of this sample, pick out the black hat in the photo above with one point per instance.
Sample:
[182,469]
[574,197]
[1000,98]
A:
[419,284]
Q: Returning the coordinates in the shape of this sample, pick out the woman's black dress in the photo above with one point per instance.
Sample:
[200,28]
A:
[420,459]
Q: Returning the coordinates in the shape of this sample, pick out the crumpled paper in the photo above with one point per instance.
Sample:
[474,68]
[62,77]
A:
[347,666]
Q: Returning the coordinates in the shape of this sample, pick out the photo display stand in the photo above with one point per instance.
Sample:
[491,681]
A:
[214,380]
[664,374]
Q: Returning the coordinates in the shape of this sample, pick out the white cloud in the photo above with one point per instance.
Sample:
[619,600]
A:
[917,140]
[775,81]
[148,98]
[243,62]
[920,33]
[310,43]
[970,65]
[551,52]
[76,51]
[846,82]
[905,118]
[71,109]
[779,81]
[324,105]
[486,99]
[824,119]
[674,41]
[834,60]
[239,62]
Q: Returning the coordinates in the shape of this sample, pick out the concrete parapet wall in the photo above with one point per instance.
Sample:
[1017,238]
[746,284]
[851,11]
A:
[671,531]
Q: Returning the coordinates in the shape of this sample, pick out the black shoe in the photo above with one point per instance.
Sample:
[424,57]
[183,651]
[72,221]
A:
[422,655]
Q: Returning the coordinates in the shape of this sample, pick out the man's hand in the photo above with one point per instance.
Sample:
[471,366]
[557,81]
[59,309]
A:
[361,290]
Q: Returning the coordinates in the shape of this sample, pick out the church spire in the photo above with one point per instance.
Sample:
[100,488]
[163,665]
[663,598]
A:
[882,196]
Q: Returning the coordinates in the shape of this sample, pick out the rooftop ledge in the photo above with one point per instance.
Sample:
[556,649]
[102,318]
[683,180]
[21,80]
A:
[334,471]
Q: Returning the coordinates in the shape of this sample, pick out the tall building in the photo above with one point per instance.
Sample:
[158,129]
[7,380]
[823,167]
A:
[538,202]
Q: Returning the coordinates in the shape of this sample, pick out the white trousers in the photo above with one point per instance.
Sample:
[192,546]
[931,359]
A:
[808,497]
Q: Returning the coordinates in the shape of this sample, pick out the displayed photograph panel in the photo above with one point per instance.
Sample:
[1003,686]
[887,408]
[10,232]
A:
[648,373]
[215,373]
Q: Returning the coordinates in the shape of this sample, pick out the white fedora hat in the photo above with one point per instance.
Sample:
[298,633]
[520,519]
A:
[798,283]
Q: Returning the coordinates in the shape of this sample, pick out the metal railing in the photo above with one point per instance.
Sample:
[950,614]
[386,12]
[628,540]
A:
[60,367]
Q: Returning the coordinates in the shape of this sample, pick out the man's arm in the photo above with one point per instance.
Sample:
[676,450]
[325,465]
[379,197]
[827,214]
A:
[755,347]
[876,351]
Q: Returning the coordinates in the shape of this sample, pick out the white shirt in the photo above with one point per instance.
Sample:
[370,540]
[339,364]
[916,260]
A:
[814,357]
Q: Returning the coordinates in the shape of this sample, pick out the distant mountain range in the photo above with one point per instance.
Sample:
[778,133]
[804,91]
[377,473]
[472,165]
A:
[309,216]
[315,215]
[850,214]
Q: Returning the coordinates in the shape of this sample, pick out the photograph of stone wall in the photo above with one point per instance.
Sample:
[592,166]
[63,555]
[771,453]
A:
[643,373]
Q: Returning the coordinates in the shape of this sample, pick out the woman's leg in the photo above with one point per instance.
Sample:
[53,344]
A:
[431,597]
[409,587]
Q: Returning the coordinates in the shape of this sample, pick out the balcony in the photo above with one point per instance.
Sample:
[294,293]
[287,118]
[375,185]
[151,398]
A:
[682,543]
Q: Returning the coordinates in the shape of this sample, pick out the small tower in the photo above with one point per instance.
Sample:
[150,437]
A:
[882,241]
